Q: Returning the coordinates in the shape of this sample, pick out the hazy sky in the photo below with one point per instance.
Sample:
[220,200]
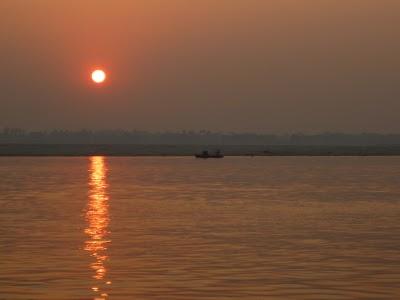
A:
[226,65]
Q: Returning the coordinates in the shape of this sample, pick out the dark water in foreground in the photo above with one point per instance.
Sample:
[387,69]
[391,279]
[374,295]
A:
[180,228]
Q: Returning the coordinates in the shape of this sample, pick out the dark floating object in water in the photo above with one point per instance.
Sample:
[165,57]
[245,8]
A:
[206,154]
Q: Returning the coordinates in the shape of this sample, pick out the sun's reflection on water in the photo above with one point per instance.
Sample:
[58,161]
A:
[97,218]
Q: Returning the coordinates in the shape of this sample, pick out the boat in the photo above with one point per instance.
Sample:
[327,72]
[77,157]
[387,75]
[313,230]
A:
[206,154]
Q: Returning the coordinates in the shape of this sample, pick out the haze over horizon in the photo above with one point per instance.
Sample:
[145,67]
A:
[242,66]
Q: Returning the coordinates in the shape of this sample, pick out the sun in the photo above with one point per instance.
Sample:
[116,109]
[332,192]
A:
[99,76]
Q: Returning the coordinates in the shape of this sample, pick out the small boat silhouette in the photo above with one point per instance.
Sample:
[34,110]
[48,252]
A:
[206,154]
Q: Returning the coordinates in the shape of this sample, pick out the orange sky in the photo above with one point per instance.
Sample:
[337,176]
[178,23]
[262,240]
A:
[243,65]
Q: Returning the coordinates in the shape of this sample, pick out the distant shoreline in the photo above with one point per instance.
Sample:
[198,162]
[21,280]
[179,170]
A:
[75,150]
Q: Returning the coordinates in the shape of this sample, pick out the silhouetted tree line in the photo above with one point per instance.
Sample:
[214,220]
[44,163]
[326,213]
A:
[20,136]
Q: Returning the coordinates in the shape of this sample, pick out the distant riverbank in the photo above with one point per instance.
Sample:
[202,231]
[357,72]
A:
[190,150]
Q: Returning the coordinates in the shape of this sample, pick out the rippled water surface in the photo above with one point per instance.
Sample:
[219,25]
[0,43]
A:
[181,228]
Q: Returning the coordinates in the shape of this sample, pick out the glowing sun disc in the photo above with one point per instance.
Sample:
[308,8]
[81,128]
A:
[98,76]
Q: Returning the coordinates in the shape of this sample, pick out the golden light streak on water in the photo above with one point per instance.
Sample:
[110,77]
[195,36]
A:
[97,218]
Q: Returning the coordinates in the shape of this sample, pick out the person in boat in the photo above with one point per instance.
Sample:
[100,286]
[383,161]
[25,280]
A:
[206,154]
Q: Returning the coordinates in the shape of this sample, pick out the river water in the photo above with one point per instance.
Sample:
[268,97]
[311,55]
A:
[181,228]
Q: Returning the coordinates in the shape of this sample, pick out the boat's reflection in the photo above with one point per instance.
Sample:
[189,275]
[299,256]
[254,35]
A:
[97,218]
